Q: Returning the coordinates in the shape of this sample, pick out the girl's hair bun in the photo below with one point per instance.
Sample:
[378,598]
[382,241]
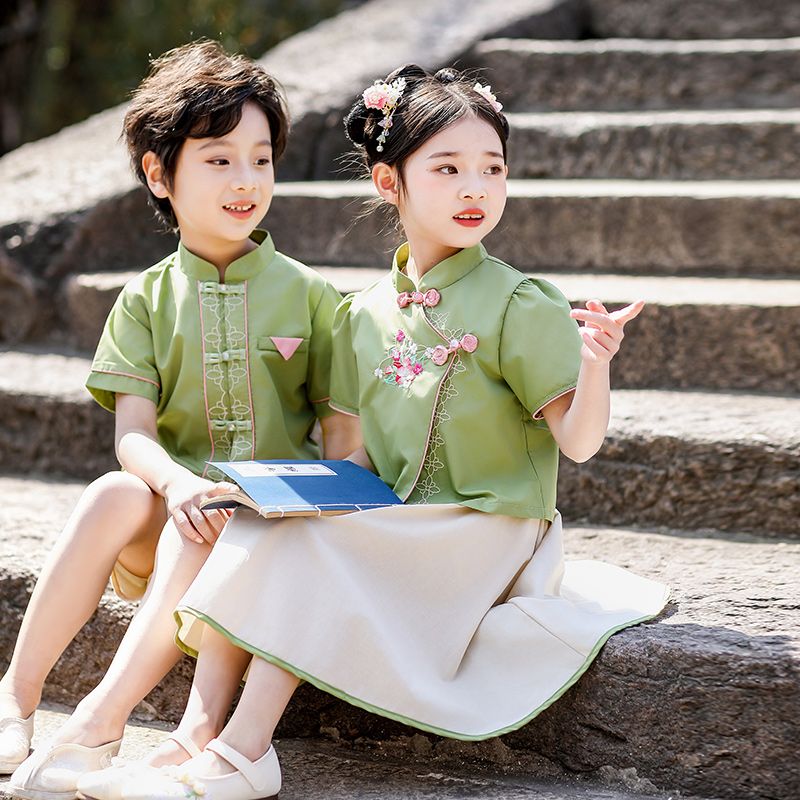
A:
[406,71]
[447,75]
[355,122]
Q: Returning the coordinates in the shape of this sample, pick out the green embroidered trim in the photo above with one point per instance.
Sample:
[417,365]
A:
[355,701]
[223,309]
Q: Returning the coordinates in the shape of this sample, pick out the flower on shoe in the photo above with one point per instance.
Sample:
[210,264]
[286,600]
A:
[486,91]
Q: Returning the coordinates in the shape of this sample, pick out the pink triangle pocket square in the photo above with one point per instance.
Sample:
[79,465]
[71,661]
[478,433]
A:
[286,345]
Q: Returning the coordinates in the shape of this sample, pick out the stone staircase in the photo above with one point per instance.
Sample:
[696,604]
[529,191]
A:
[657,160]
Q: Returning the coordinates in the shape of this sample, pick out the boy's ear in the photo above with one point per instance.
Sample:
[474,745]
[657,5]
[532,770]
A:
[154,174]
[385,179]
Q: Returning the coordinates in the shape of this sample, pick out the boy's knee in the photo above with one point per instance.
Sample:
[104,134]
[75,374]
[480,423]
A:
[122,492]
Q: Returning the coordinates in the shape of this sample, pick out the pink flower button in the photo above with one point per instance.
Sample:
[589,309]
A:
[417,297]
[469,343]
[403,299]
[440,355]
[432,298]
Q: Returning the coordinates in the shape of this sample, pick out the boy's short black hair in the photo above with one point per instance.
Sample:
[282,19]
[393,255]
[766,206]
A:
[197,91]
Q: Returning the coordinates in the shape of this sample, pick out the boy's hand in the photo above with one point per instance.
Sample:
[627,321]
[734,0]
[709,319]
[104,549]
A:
[602,332]
[183,502]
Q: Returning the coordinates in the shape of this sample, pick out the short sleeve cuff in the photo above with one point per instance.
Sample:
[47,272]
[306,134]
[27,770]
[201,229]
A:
[343,408]
[322,408]
[104,383]
[537,413]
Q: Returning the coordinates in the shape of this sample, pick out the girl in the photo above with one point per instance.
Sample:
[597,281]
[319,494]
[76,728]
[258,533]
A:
[455,613]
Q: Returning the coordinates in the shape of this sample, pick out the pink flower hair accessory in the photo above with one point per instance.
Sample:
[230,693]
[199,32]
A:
[486,92]
[385,97]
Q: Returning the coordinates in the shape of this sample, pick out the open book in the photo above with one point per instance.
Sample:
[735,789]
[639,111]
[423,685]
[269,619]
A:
[286,488]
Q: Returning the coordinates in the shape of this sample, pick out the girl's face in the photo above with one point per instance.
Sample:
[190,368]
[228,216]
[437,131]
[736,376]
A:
[222,188]
[454,189]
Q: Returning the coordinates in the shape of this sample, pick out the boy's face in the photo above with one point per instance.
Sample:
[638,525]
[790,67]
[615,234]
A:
[223,188]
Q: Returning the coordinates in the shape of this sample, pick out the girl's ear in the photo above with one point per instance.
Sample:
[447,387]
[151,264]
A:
[154,174]
[385,179]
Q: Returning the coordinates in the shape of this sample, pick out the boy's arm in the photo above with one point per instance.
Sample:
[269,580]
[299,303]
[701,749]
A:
[138,451]
[579,421]
[341,435]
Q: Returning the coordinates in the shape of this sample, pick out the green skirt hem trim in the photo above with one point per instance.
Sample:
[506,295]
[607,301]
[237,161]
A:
[355,701]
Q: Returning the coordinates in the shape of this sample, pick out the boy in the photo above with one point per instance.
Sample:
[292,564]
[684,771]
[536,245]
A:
[220,351]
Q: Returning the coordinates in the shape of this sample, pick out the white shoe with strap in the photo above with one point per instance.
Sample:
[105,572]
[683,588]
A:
[106,784]
[52,771]
[15,742]
[252,780]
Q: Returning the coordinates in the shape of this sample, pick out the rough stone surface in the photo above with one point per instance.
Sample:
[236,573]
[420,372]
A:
[74,219]
[678,459]
[698,333]
[723,228]
[50,422]
[694,19]
[692,460]
[339,770]
[88,298]
[620,74]
[705,700]
[17,300]
[661,145]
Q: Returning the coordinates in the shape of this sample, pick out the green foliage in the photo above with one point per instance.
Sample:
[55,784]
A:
[89,54]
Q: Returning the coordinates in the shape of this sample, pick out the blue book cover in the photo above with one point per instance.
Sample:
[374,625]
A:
[285,487]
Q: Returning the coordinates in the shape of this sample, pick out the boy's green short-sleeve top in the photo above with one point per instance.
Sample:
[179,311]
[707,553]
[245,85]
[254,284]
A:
[237,370]
[449,379]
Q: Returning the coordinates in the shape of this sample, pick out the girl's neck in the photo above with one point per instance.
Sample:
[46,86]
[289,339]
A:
[424,256]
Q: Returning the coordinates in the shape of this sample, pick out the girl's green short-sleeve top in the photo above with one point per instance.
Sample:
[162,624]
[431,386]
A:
[449,379]
[237,370]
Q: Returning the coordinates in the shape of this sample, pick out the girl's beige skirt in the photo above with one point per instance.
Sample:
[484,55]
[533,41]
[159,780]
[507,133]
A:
[457,622]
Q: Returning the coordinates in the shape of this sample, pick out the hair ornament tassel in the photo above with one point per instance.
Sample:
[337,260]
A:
[486,91]
[385,97]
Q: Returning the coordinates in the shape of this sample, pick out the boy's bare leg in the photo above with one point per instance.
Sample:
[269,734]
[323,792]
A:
[147,651]
[117,516]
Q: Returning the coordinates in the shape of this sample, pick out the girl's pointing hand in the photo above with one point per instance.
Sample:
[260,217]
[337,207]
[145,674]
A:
[602,332]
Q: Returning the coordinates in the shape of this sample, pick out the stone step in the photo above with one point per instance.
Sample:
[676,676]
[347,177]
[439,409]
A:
[750,329]
[663,145]
[733,228]
[684,459]
[693,19]
[704,700]
[326,769]
[638,74]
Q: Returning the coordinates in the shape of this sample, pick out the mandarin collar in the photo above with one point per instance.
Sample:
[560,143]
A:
[439,276]
[243,268]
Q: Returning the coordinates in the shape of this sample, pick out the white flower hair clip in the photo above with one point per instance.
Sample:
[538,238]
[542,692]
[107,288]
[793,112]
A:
[486,91]
[385,97]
